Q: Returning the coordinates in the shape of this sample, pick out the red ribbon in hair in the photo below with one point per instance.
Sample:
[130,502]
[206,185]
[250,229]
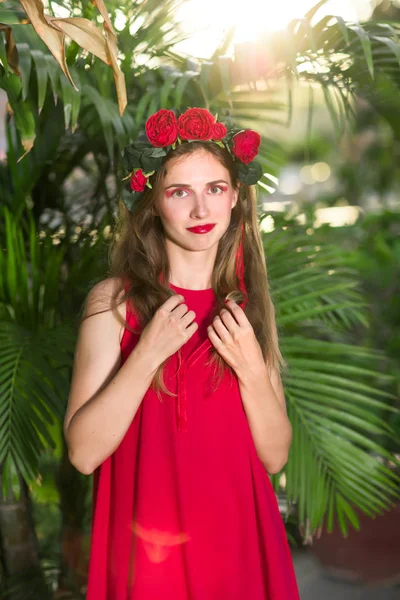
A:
[240,268]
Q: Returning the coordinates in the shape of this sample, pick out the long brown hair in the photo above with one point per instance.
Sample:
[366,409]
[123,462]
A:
[138,258]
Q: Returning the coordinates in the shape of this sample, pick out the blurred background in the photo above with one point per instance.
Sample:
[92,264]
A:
[320,82]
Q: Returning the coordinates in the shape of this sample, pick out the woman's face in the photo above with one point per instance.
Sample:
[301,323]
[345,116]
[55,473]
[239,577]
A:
[196,191]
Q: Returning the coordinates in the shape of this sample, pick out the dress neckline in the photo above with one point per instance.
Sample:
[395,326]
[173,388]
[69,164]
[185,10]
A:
[189,291]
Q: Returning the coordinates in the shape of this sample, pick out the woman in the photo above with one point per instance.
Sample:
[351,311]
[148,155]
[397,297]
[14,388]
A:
[179,411]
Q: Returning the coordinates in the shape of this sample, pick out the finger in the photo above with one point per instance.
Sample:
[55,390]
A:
[229,321]
[216,341]
[192,328]
[180,311]
[238,313]
[221,329]
[188,318]
[173,301]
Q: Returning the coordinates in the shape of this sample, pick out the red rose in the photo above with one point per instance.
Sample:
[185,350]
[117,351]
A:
[219,131]
[138,181]
[162,128]
[246,145]
[196,124]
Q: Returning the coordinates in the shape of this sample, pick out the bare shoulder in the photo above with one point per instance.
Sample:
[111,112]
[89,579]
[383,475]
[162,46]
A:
[99,297]
[98,302]
[97,352]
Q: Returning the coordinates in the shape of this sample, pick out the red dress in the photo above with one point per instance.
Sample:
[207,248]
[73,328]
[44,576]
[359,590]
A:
[184,509]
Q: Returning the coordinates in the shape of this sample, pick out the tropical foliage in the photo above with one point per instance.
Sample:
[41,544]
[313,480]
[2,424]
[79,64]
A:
[339,402]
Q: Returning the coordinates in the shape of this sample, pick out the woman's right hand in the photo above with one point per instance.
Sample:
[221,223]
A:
[171,326]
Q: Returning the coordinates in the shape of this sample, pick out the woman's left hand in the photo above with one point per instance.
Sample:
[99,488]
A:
[232,335]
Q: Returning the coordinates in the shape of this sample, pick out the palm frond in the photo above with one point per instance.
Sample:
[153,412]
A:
[337,401]
[33,351]
[344,59]
[32,394]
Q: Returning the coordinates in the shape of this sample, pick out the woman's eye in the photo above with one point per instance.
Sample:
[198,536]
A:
[218,187]
[176,191]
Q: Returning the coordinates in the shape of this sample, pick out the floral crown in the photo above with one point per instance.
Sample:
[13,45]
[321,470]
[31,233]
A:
[165,129]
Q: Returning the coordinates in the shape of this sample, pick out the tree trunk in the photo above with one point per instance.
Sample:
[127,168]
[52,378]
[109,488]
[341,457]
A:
[19,550]
[73,488]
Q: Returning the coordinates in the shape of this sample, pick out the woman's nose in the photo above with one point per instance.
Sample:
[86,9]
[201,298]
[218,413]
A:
[200,208]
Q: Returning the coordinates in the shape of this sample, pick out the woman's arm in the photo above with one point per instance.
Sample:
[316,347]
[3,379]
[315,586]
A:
[104,396]
[264,403]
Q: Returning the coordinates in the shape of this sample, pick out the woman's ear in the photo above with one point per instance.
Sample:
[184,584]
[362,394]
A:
[235,196]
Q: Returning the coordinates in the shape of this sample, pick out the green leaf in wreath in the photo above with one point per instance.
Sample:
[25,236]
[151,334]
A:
[232,132]
[131,158]
[149,162]
[131,154]
[158,152]
[250,173]
[130,198]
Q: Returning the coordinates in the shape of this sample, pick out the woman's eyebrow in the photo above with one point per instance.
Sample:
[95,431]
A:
[187,185]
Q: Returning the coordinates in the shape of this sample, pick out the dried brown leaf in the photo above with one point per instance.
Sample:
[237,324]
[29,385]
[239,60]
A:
[51,36]
[11,49]
[119,77]
[112,52]
[85,33]
[101,7]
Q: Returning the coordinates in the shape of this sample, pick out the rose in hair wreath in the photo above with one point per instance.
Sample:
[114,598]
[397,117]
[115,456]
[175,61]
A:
[219,131]
[245,145]
[138,181]
[162,128]
[196,124]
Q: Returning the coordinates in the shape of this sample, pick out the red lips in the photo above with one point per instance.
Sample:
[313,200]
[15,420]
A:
[201,228]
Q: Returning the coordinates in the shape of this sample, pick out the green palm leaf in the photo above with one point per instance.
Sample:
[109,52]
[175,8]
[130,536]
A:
[34,348]
[32,395]
[336,399]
